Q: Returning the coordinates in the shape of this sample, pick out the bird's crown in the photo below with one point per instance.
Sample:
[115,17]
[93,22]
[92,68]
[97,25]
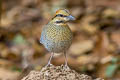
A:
[63,12]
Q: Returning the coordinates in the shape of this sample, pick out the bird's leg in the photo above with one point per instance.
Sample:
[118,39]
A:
[65,55]
[49,62]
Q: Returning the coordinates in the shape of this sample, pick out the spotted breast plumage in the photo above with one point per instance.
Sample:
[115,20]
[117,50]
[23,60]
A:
[56,36]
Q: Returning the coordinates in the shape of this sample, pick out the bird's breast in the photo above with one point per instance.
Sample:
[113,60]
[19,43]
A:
[56,38]
[58,33]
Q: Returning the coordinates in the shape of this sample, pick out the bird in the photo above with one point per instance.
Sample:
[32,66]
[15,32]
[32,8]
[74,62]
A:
[56,36]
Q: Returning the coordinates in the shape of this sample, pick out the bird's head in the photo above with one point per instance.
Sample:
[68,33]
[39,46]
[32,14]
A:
[62,16]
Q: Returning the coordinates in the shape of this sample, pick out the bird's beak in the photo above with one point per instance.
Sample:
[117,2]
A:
[70,17]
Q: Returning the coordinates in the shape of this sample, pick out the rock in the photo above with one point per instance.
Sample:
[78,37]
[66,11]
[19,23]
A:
[56,73]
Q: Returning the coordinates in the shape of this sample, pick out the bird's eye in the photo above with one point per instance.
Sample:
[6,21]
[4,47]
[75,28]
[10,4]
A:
[60,15]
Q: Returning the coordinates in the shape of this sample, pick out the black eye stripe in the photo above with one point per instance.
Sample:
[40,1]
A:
[59,21]
[60,15]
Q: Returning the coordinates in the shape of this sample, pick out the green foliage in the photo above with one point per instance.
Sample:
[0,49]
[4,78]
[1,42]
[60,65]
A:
[14,68]
[114,60]
[111,70]
[19,39]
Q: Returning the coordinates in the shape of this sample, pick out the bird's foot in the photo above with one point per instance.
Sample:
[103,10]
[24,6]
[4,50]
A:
[66,66]
[48,65]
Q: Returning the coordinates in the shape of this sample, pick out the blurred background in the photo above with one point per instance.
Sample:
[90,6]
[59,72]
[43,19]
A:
[96,45]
